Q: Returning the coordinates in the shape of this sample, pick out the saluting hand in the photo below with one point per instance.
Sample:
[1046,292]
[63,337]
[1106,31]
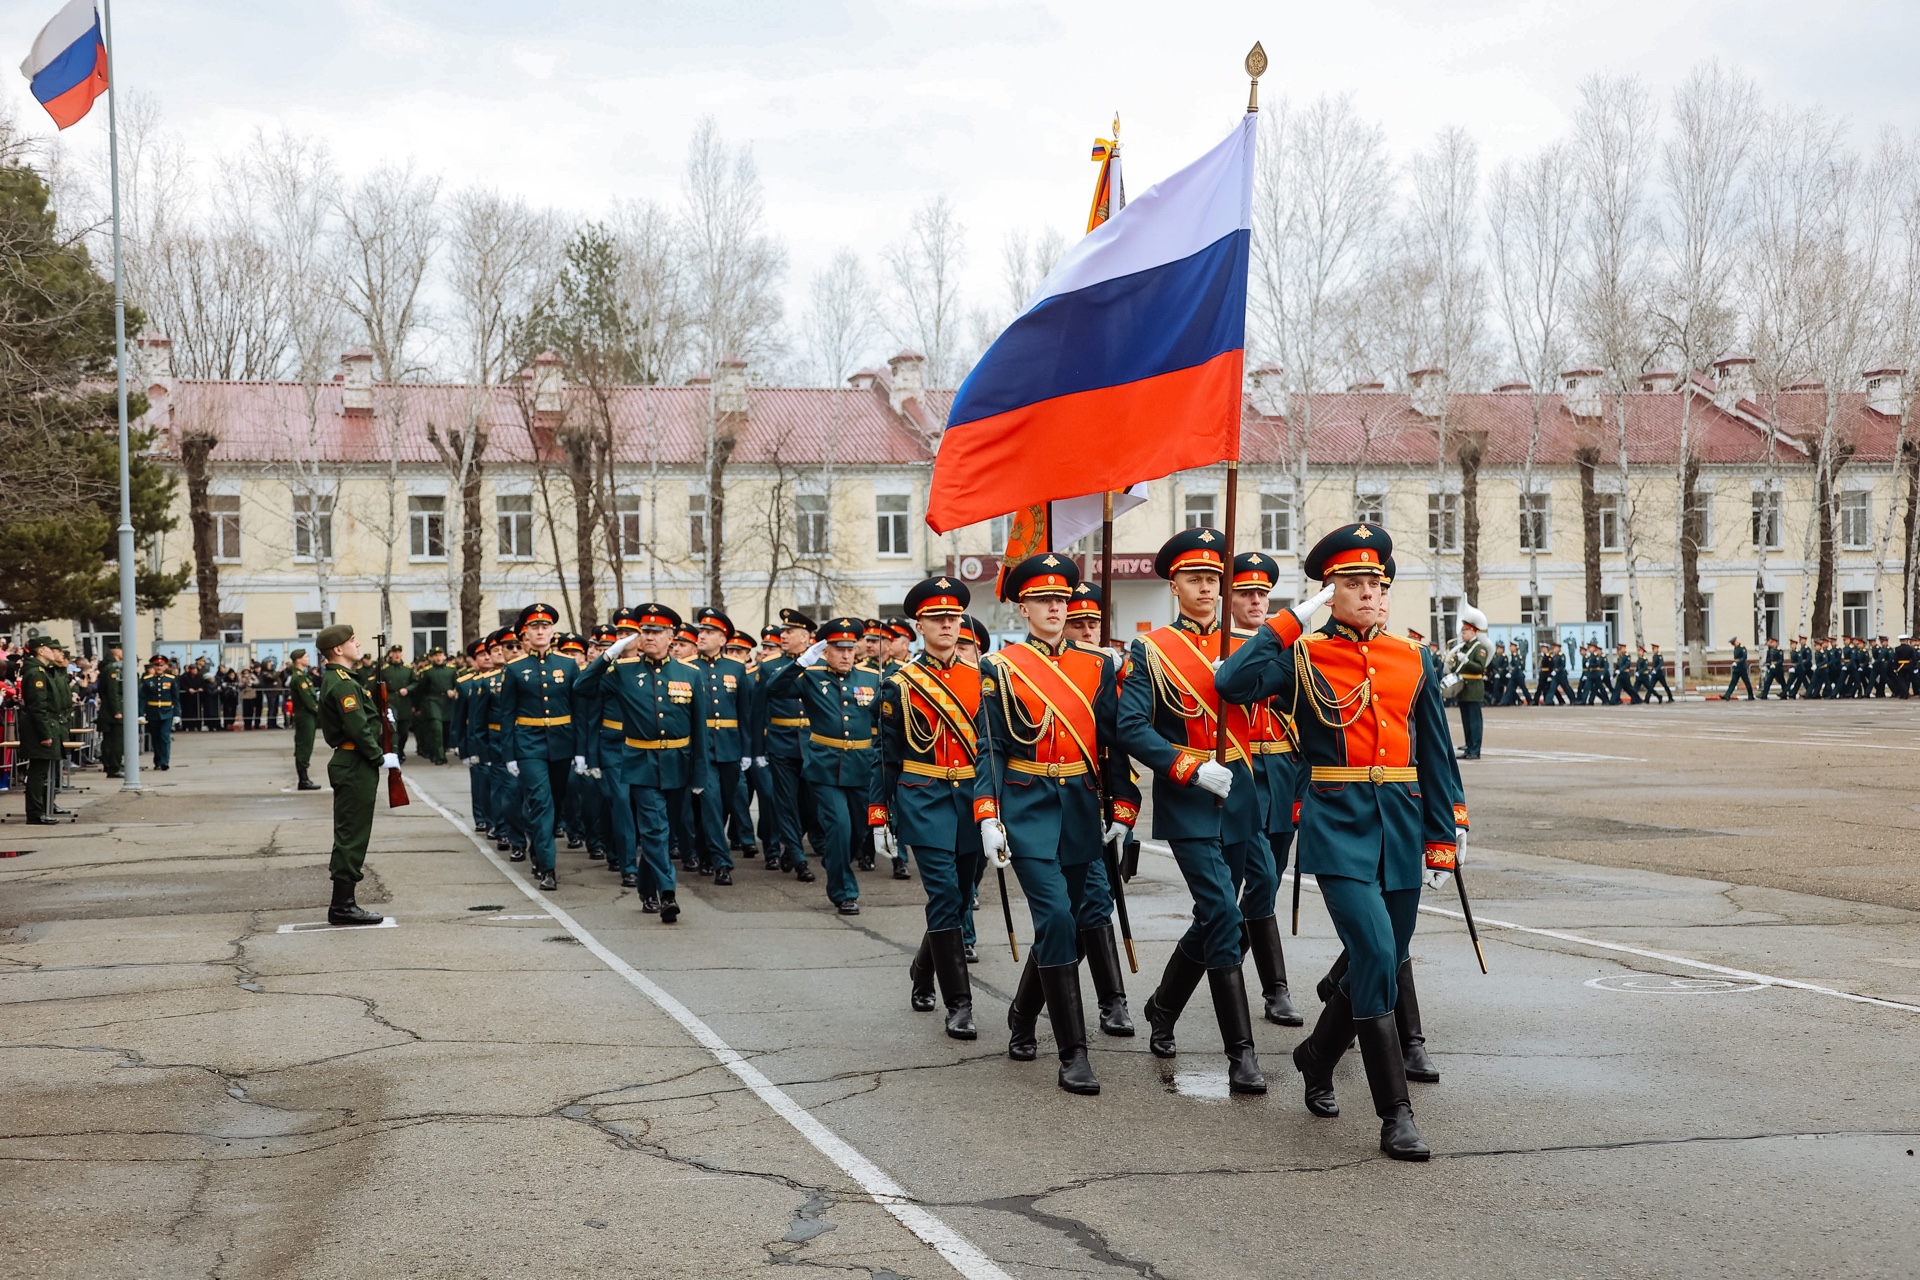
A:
[814,653]
[613,650]
[1305,610]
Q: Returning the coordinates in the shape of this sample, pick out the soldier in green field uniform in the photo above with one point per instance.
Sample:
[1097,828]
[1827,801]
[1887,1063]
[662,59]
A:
[397,676]
[46,702]
[354,771]
[113,711]
[306,717]
[432,701]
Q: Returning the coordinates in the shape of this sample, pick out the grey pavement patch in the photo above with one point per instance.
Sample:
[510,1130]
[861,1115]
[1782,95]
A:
[807,1220]
[321,926]
[1658,984]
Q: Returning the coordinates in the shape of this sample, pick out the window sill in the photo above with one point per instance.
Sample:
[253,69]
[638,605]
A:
[426,559]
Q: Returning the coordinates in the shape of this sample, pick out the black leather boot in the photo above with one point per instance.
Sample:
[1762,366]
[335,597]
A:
[1326,986]
[920,972]
[1387,1079]
[1413,1043]
[1229,988]
[1103,966]
[669,907]
[1177,985]
[306,783]
[1024,1013]
[950,964]
[1061,982]
[1315,1056]
[1263,940]
[345,910]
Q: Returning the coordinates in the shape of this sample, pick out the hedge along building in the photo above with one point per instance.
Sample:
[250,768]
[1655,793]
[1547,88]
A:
[458,504]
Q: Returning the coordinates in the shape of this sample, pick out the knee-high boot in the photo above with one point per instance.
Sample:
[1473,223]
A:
[1316,1056]
[1177,985]
[1103,966]
[1229,987]
[1413,1042]
[1061,982]
[950,963]
[1387,1079]
[1024,1013]
[920,972]
[1263,940]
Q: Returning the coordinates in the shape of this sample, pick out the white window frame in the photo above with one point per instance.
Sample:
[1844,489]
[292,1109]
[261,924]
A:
[1768,505]
[1862,612]
[425,526]
[225,510]
[629,521]
[1203,503]
[812,525]
[1535,519]
[505,548]
[1856,518]
[316,522]
[1276,523]
[893,527]
[1609,509]
[1444,508]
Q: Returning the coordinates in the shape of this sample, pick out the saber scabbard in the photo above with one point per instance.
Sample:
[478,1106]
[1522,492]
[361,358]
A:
[1466,909]
[1006,909]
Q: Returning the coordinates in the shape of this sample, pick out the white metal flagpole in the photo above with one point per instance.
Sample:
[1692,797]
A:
[129,620]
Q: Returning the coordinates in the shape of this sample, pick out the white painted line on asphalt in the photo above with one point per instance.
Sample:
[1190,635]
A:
[960,1253]
[321,926]
[1730,736]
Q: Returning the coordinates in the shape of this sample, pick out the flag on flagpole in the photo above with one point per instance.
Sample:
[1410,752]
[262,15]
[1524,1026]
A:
[68,64]
[1127,361]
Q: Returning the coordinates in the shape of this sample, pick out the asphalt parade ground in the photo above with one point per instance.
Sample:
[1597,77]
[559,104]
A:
[1694,1054]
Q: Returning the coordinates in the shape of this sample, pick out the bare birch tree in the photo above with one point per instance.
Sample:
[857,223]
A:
[923,273]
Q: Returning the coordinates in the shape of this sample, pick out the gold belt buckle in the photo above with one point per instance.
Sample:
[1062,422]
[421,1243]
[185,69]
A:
[1053,769]
[1377,774]
[953,773]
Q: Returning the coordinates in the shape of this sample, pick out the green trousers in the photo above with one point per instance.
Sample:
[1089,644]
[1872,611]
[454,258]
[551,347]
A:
[426,736]
[402,726]
[40,776]
[303,727]
[355,782]
[112,742]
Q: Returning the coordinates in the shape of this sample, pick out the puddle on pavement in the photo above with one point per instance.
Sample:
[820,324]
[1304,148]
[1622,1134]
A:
[1208,1086]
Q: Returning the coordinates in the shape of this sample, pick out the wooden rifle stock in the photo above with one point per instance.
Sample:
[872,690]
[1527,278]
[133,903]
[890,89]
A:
[396,785]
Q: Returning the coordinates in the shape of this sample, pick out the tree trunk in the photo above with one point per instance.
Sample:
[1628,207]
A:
[1910,571]
[472,546]
[196,449]
[1693,605]
[1589,460]
[726,436]
[580,477]
[1823,537]
[1471,453]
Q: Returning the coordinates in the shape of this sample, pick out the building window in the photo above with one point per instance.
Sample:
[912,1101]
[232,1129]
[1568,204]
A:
[1536,611]
[1610,614]
[429,631]
[1766,519]
[1609,522]
[1276,523]
[508,617]
[1443,619]
[890,514]
[1856,614]
[627,508]
[999,529]
[1699,523]
[1766,616]
[1370,508]
[232,629]
[1200,508]
[697,524]
[514,512]
[312,526]
[307,623]
[1443,522]
[427,527]
[812,533]
[226,525]
[1856,521]
[1536,522]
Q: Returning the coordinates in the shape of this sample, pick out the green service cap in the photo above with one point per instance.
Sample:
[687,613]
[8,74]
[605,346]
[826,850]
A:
[333,637]
[297,653]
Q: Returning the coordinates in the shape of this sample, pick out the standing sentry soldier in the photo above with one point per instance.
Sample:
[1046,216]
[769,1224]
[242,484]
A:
[354,771]
[113,712]
[159,705]
[46,710]
[306,718]
[1470,664]
[1381,800]
[1211,813]
[535,712]
[922,793]
[1049,717]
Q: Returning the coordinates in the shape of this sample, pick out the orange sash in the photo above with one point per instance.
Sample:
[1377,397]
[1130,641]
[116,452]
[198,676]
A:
[951,710]
[1191,670]
[1065,699]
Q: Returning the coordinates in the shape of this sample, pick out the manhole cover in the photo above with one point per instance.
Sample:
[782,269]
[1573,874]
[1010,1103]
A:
[1660,984]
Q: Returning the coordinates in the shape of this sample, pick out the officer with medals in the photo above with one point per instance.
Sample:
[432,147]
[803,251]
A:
[535,711]
[1381,803]
[354,771]
[1049,713]
[1469,663]
[1270,739]
[782,722]
[1210,813]
[842,702]
[725,692]
[922,793]
[305,693]
[159,704]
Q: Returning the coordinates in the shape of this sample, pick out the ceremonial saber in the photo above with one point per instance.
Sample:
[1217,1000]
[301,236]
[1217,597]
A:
[1466,908]
[1120,904]
[1006,909]
[1119,885]
[1296,893]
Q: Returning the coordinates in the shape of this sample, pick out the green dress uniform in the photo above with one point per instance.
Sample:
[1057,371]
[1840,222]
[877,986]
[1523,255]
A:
[780,723]
[398,678]
[1470,665]
[46,706]
[534,708]
[1739,675]
[354,771]
[160,704]
[306,717]
[432,705]
[113,716]
[728,694]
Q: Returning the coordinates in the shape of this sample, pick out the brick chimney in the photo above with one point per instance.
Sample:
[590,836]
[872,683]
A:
[549,388]
[1886,391]
[863,379]
[1429,393]
[729,389]
[1659,380]
[1580,391]
[1732,380]
[356,388]
[153,365]
[909,370]
[1269,392]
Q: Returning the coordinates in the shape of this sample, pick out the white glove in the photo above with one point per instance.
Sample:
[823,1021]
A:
[613,650]
[513,768]
[814,653]
[1116,833]
[746,763]
[580,765]
[1437,879]
[390,719]
[594,772]
[1215,777]
[884,842]
[761,761]
[1305,610]
[699,791]
[993,839]
[390,761]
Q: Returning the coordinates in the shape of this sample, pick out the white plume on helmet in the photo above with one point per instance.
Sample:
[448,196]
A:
[1472,617]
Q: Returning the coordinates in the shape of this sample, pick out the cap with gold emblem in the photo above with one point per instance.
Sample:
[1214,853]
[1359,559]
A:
[795,618]
[977,630]
[655,617]
[841,631]
[571,643]
[1253,571]
[1047,574]
[1352,548]
[1085,603]
[534,613]
[713,619]
[1199,548]
[938,595]
[770,634]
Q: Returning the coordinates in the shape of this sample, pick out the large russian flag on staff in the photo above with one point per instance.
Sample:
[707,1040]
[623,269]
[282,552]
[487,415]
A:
[1125,366]
[68,65]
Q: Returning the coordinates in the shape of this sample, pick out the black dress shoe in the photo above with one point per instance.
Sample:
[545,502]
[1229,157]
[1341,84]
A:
[43,822]
[866,864]
[575,842]
[900,869]
[669,909]
[628,880]
[786,862]
[779,864]
[545,880]
[850,907]
[307,784]
[517,855]
[594,855]
[352,913]
[502,843]
[650,903]
[723,876]
[973,955]
[804,874]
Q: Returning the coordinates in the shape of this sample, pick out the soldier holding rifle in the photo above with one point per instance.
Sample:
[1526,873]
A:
[354,771]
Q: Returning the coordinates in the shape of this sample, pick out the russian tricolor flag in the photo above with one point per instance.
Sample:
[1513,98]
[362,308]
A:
[68,65]
[1125,366]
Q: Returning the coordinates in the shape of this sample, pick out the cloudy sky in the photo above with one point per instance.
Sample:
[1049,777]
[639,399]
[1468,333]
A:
[859,111]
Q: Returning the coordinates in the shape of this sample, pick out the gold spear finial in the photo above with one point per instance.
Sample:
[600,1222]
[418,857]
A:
[1256,67]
